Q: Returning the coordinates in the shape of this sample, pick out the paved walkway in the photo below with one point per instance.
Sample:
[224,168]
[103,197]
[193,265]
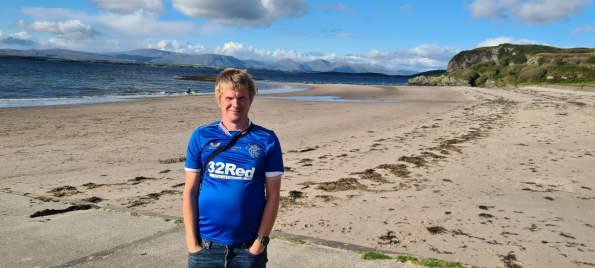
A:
[115,238]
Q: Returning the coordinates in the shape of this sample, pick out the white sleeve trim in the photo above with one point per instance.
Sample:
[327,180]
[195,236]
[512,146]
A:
[192,170]
[273,174]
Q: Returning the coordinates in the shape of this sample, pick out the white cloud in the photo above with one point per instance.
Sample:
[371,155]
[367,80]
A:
[502,40]
[175,46]
[89,45]
[544,11]
[72,29]
[241,13]
[420,58]
[130,6]
[419,64]
[428,51]
[143,23]
[20,40]
[239,51]
[137,23]
[54,14]
[492,8]
[376,54]
[582,30]
[18,25]
[23,35]
[528,11]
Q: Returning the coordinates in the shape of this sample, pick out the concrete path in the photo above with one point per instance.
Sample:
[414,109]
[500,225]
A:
[119,238]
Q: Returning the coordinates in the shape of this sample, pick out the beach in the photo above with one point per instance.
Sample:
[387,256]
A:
[488,177]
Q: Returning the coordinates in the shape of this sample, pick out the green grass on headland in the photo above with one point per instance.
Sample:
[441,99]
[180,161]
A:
[517,65]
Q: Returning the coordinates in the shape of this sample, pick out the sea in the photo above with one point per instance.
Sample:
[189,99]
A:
[41,82]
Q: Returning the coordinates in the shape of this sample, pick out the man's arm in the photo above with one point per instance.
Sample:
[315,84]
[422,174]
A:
[190,211]
[269,215]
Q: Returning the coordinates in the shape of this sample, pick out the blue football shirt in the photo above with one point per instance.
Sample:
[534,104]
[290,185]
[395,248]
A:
[232,197]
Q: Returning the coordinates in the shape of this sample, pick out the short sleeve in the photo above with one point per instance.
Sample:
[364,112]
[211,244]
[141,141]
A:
[193,158]
[274,163]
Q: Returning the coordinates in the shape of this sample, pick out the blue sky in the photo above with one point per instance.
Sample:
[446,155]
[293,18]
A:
[415,35]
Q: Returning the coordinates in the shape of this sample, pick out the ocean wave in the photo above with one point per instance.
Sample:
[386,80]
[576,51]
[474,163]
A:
[11,103]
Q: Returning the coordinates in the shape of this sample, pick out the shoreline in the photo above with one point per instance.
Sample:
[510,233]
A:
[291,95]
[459,174]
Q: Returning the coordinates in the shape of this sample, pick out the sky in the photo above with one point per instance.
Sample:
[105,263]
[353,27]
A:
[414,35]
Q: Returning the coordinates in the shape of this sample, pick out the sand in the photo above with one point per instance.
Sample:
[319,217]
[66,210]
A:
[488,177]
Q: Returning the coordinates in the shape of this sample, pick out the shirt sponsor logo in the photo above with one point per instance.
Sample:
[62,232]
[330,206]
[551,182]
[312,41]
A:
[215,145]
[229,171]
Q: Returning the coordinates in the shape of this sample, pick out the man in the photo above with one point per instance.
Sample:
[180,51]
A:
[229,216]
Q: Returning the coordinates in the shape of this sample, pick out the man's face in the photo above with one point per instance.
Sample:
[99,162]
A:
[234,106]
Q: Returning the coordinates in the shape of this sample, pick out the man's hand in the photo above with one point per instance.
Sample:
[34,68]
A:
[194,249]
[256,248]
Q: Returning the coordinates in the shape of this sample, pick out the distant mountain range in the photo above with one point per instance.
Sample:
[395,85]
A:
[208,60]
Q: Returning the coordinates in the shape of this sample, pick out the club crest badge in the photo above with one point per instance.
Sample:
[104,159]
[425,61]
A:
[254,150]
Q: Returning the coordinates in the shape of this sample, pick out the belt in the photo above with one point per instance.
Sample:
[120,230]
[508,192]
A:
[208,244]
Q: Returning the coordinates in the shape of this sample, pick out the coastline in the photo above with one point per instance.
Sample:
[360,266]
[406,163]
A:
[491,171]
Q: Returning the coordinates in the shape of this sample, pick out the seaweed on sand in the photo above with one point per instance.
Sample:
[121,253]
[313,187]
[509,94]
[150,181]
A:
[64,191]
[343,184]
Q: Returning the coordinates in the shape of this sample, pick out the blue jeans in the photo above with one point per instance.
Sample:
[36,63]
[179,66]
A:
[214,255]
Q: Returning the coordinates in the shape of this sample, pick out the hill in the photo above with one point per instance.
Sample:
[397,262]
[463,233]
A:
[510,65]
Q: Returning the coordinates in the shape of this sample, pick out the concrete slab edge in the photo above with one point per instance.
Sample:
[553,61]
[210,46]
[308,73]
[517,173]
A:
[276,234]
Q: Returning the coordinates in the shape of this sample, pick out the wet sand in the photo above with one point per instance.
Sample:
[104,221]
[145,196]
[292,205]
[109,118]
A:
[489,177]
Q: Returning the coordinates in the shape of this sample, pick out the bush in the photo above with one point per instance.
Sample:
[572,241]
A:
[467,74]
[590,60]
[540,61]
[504,62]
[491,73]
[532,74]
[519,58]
[481,67]
[558,62]
[480,81]
[573,61]
[572,71]
[514,69]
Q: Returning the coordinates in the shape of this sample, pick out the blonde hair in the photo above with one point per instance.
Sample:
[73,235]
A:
[235,79]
